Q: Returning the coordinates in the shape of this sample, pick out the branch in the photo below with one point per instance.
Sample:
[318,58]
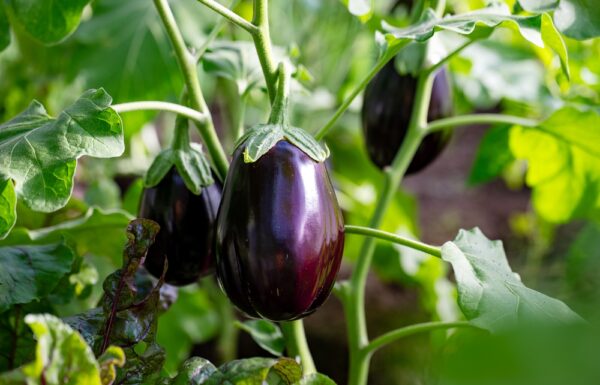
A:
[189,113]
[230,16]
[466,120]
[397,334]
[394,238]
[262,42]
[295,340]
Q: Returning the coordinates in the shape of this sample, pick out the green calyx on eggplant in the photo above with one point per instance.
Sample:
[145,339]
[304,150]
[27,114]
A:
[386,114]
[182,196]
[279,235]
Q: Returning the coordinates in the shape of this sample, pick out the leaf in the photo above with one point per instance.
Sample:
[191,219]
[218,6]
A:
[28,273]
[194,371]
[259,140]
[490,294]
[39,152]
[538,5]
[578,19]
[255,371]
[49,22]
[493,155]
[159,168]
[193,168]
[109,360]
[537,29]
[16,340]
[8,207]
[305,142]
[563,156]
[266,334]
[62,356]
[316,379]
[4,29]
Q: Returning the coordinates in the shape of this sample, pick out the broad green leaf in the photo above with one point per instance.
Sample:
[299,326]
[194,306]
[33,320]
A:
[266,334]
[493,155]
[194,371]
[8,207]
[39,152]
[537,29]
[16,340]
[578,19]
[48,21]
[109,360]
[316,379]
[490,294]
[254,371]
[563,156]
[4,29]
[28,273]
[62,356]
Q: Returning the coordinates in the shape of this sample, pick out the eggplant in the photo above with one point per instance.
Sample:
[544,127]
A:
[386,113]
[186,228]
[279,234]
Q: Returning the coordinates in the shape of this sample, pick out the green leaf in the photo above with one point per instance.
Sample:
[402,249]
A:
[194,371]
[490,294]
[109,360]
[266,334]
[193,168]
[578,19]
[537,29]
[103,192]
[259,140]
[39,152]
[563,156]
[538,5]
[4,29]
[16,340]
[159,168]
[493,155]
[255,371]
[316,379]
[48,21]
[62,356]
[28,273]
[8,207]
[305,142]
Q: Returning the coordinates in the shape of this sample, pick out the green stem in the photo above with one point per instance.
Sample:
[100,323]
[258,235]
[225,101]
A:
[181,136]
[440,7]
[394,238]
[213,34]
[397,334]
[280,104]
[355,298]
[230,15]
[296,345]
[450,55]
[187,64]
[466,120]
[189,113]
[262,42]
[238,128]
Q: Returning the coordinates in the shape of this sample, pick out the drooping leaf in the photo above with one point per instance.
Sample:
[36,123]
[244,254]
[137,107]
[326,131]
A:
[266,334]
[8,207]
[39,152]
[49,22]
[578,19]
[490,294]
[30,272]
[62,356]
[563,156]
[537,29]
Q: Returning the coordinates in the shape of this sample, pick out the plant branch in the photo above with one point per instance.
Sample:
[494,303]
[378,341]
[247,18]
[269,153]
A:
[295,341]
[466,120]
[189,113]
[262,42]
[447,58]
[394,238]
[231,16]
[213,34]
[187,64]
[397,334]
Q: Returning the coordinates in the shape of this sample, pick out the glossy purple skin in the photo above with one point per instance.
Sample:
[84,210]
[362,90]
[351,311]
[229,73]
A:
[280,234]
[186,229]
[386,112]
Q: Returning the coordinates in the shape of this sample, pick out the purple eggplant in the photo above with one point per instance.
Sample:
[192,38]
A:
[386,113]
[279,235]
[186,228]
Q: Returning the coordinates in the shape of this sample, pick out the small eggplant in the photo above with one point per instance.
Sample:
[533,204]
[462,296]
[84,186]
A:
[386,113]
[186,228]
[279,235]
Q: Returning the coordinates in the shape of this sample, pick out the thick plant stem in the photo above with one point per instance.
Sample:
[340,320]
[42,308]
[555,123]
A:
[355,299]
[296,345]
[262,41]
[394,238]
[280,104]
[187,64]
[189,113]
[465,120]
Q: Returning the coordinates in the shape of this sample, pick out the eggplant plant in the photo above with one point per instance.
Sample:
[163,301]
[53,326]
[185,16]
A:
[106,263]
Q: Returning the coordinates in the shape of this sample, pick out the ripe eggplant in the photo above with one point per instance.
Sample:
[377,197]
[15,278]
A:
[386,113]
[186,228]
[279,235]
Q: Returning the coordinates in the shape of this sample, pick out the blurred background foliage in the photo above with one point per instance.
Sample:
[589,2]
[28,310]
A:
[479,180]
